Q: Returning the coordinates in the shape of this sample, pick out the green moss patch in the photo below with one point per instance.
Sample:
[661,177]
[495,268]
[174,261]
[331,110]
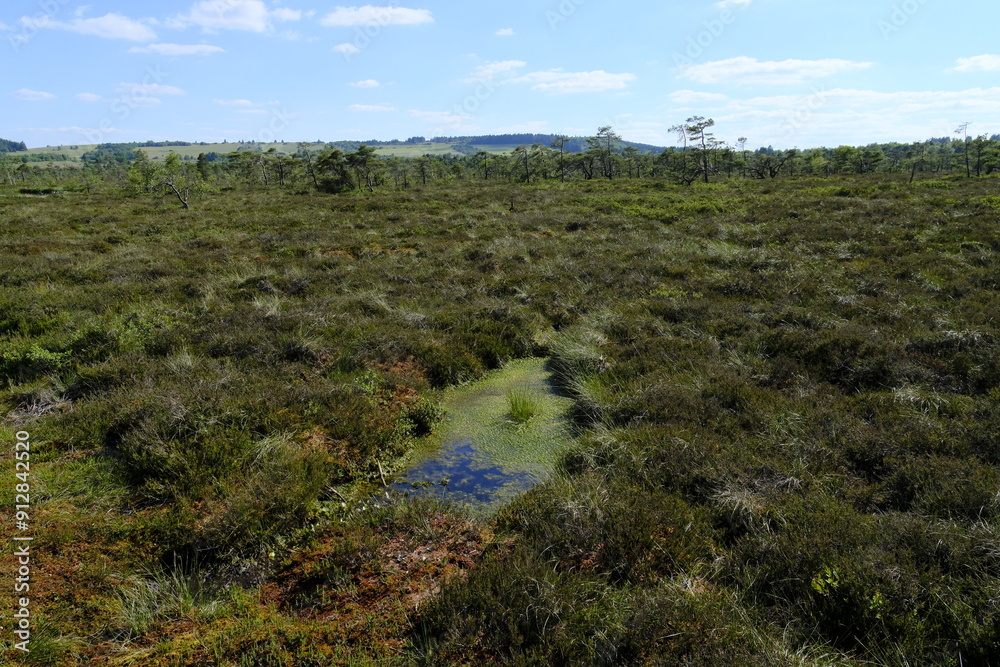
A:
[484,444]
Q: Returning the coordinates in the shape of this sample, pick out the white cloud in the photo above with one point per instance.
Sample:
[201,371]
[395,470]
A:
[506,32]
[254,112]
[248,15]
[371,15]
[148,89]
[88,97]
[490,71]
[849,116]
[746,70]
[346,47]
[109,26]
[285,14]
[367,83]
[553,81]
[726,4]
[26,95]
[235,103]
[370,107]
[983,63]
[559,82]
[4,26]
[178,49]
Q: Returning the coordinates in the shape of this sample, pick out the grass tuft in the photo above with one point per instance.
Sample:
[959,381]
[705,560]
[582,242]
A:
[522,404]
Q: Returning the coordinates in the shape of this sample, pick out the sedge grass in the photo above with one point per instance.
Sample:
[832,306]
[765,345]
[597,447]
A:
[522,404]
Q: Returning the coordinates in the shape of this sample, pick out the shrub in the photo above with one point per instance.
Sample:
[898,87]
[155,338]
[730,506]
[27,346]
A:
[28,364]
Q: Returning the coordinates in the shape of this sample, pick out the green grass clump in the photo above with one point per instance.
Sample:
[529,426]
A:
[522,404]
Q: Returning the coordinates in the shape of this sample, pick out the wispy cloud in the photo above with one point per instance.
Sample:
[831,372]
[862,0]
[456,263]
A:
[26,95]
[346,47]
[235,103]
[372,15]
[983,63]
[109,26]
[506,32]
[85,131]
[558,82]
[367,83]
[88,97]
[442,120]
[371,107]
[178,49]
[726,4]
[748,71]
[554,81]
[139,89]
[491,71]
[855,116]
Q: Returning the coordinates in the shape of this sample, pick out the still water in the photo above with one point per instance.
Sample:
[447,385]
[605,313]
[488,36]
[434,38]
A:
[460,472]
[480,455]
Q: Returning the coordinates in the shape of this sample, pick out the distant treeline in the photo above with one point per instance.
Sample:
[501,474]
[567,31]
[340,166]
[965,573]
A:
[8,146]
[125,152]
[350,165]
[44,157]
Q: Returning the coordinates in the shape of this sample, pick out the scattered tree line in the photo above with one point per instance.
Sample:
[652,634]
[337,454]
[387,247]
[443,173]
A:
[342,166]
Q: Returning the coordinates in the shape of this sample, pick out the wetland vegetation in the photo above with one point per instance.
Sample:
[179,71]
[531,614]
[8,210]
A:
[503,434]
[784,399]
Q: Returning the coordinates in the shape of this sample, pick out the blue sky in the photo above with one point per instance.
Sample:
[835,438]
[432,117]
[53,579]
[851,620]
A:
[779,72]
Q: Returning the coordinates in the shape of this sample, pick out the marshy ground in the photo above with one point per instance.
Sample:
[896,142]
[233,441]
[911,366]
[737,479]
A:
[502,435]
[785,396]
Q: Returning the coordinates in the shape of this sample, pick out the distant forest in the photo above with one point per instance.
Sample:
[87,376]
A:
[8,146]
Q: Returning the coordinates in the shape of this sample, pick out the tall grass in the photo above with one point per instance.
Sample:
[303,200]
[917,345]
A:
[522,404]
[177,593]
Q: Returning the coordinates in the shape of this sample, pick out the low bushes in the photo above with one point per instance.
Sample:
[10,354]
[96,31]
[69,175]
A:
[789,401]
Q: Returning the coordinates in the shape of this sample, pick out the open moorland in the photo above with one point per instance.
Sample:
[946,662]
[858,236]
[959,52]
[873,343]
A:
[786,410]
